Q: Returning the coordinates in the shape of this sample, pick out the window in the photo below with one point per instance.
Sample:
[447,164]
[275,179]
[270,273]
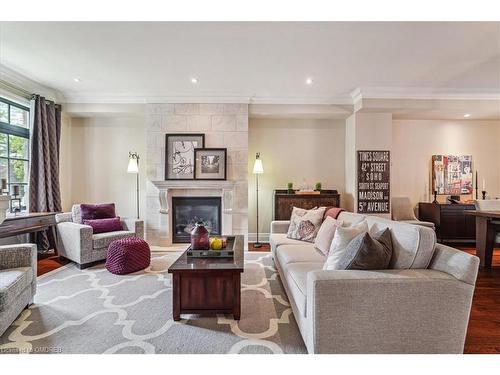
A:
[14,149]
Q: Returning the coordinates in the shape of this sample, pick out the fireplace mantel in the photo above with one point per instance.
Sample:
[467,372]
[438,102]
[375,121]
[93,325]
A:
[166,188]
[194,184]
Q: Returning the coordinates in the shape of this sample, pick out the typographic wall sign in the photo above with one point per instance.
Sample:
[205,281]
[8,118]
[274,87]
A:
[374,182]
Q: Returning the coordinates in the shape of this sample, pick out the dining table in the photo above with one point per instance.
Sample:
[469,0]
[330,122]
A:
[487,226]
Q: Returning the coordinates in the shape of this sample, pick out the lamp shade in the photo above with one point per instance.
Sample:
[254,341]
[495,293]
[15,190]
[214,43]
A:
[133,165]
[258,168]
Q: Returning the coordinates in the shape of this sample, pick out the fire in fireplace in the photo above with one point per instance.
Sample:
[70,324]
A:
[187,211]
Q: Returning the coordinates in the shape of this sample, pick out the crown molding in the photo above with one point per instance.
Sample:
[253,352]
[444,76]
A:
[28,85]
[110,98]
[423,93]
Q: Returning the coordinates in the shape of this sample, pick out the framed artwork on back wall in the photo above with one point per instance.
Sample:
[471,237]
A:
[452,175]
[179,155]
[210,164]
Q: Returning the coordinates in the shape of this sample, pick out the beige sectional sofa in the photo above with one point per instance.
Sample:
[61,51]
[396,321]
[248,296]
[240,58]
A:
[420,305]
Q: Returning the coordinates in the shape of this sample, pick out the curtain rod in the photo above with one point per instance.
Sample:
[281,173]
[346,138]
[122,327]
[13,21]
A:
[21,92]
[15,90]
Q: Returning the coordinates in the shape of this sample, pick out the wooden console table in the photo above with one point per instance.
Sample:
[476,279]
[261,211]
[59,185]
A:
[452,225]
[33,222]
[284,202]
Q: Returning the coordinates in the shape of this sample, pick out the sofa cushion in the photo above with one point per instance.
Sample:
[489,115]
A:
[296,280]
[104,239]
[12,283]
[422,223]
[278,239]
[306,252]
[413,245]
[350,218]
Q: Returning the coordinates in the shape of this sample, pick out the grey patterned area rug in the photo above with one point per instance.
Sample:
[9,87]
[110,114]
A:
[94,311]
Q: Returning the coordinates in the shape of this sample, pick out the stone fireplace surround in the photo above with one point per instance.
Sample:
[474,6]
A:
[169,189]
[224,125]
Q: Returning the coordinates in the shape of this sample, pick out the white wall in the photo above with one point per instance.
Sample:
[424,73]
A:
[94,157]
[296,150]
[349,198]
[364,131]
[65,160]
[415,141]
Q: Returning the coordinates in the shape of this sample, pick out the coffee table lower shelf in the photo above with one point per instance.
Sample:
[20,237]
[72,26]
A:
[204,292]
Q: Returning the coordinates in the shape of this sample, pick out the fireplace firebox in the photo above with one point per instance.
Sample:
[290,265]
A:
[187,211]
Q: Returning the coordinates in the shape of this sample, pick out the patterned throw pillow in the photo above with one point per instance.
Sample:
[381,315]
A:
[304,224]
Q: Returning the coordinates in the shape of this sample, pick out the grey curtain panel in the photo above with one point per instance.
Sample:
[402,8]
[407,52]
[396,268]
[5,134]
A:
[44,191]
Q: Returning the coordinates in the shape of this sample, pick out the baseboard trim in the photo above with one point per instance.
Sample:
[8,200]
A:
[263,237]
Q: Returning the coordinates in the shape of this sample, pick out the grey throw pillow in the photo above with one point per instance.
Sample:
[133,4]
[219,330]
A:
[365,252]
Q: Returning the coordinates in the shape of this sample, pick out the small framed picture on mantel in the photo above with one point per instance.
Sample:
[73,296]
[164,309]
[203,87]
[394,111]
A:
[210,164]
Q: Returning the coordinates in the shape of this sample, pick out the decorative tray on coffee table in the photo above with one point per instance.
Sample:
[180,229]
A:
[226,252]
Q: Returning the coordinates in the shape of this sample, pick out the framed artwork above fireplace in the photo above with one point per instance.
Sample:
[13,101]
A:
[179,155]
[210,164]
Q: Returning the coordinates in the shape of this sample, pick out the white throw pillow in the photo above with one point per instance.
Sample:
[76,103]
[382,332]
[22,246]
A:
[325,234]
[342,237]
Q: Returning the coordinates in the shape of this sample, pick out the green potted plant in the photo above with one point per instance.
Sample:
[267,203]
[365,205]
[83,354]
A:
[290,188]
[317,187]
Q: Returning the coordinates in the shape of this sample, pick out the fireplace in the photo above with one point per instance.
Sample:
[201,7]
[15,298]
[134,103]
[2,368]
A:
[187,211]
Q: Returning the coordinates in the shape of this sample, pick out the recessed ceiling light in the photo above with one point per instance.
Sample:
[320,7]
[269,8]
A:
[467,115]
[194,80]
[76,79]
[309,81]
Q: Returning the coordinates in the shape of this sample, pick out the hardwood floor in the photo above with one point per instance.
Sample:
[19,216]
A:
[265,247]
[483,334]
[49,262]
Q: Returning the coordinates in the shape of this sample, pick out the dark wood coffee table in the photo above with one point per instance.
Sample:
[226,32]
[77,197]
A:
[208,285]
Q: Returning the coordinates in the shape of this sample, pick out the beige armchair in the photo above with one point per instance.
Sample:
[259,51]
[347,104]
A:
[402,211]
[78,243]
[17,281]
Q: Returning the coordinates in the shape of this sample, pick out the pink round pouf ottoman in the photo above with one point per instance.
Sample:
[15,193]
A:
[127,255]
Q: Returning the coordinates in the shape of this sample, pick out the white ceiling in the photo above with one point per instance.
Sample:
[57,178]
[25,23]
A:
[256,62]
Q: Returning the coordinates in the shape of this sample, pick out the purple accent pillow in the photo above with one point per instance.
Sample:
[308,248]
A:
[104,225]
[97,211]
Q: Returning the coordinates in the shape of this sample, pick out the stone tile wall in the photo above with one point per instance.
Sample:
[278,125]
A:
[224,125]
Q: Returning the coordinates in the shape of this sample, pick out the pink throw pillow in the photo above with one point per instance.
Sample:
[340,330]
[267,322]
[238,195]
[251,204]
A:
[104,225]
[333,212]
[325,234]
